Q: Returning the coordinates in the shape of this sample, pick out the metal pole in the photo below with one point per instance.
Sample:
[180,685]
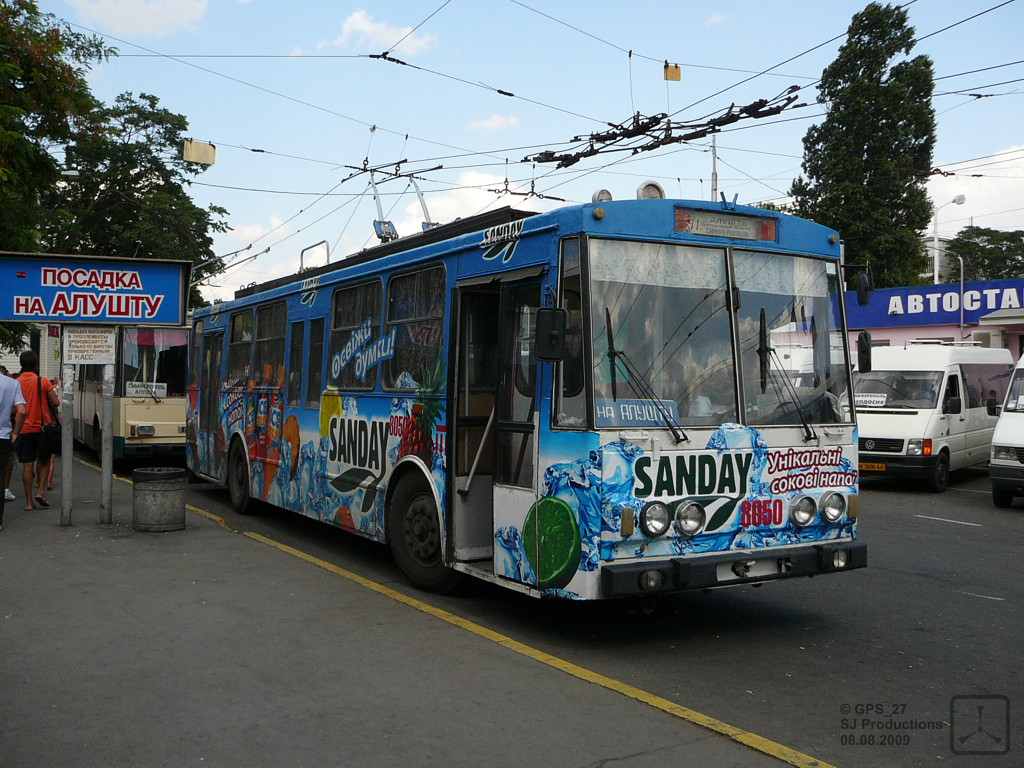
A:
[107,446]
[935,244]
[67,417]
[714,166]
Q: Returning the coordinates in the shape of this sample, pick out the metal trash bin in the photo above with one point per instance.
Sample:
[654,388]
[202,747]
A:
[158,499]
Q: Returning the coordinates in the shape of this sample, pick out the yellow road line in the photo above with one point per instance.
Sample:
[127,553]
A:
[746,738]
[752,740]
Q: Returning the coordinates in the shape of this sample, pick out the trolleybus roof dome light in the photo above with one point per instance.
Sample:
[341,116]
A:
[650,190]
[601,196]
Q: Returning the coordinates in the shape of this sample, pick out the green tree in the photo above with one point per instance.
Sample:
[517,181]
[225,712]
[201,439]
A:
[44,103]
[129,197]
[988,254]
[867,163]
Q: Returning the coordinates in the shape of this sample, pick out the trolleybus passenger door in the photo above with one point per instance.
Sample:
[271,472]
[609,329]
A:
[472,534]
[211,442]
[515,432]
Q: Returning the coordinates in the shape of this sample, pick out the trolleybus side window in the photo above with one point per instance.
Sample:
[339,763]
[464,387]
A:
[240,349]
[315,367]
[268,363]
[293,396]
[194,353]
[570,410]
[415,312]
[355,325]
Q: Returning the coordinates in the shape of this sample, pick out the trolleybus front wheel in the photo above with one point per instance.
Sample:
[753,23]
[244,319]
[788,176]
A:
[415,532]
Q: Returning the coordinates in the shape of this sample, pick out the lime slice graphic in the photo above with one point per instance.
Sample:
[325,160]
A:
[551,524]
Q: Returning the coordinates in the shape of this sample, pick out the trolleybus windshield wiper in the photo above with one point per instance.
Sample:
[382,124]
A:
[640,384]
[765,353]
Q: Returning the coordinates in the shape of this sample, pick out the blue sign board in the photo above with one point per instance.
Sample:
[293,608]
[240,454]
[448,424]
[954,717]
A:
[41,288]
[934,304]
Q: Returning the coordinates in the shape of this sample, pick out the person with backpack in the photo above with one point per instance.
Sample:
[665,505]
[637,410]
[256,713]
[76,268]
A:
[33,453]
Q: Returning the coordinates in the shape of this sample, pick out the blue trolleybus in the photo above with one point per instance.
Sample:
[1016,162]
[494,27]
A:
[614,399]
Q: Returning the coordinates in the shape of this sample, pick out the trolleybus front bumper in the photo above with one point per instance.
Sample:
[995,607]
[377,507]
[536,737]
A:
[731,568]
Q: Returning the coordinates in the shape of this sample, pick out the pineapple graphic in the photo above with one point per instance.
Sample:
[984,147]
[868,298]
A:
[418,436]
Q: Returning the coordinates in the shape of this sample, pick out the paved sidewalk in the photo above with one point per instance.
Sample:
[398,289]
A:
[207,648]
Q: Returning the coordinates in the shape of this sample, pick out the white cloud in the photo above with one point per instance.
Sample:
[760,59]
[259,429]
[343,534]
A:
[713,19]
[360,27]
[495,123]
[140,17]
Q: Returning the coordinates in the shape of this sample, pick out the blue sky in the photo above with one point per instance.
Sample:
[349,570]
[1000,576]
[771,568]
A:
[295,81]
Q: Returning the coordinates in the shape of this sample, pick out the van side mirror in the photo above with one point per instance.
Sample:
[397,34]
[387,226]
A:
[992,407]
[864,352]
[549,338]
[863,286]
[953,405]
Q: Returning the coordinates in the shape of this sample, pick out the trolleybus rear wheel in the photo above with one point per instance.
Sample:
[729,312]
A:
[238,479]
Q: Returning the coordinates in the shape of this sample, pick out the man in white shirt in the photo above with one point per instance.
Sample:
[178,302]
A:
[11,402]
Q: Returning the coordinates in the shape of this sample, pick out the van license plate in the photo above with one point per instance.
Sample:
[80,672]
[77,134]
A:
[867,467]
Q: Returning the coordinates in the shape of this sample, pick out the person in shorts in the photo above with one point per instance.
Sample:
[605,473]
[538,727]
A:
[11,402]
[32,453]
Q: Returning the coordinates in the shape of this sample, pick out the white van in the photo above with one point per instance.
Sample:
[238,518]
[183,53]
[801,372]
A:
[927,408]
[1006,466]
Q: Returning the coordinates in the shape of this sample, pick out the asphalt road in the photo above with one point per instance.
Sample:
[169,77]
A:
[884,666]
[913,661]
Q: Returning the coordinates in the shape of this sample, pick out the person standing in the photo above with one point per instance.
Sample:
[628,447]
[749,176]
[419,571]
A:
[12,460]
[11,401]
[32,453]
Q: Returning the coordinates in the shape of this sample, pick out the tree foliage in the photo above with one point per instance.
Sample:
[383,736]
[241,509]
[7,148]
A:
[129,197]
[988,254]
[44,102]
[867,163]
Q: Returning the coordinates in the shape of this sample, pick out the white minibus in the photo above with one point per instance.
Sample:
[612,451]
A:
[927,408]
[1006,466]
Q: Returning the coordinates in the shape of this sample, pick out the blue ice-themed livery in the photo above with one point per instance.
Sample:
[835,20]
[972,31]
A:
[615,399]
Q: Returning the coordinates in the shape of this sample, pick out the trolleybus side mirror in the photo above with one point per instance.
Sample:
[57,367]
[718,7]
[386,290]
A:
[953,405]
[863,286]
[864,352]
[549,339]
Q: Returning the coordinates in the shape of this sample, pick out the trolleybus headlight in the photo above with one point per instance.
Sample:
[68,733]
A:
[655,519]
[802,510]
[689,519]
[832,507]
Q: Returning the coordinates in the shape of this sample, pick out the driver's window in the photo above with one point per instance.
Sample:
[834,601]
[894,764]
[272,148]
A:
[952,390]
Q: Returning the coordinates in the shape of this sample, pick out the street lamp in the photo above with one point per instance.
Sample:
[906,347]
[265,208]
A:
[958,200]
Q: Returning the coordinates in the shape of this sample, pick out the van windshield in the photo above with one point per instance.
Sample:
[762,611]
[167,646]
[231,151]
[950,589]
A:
[896,389]
[1015,396]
